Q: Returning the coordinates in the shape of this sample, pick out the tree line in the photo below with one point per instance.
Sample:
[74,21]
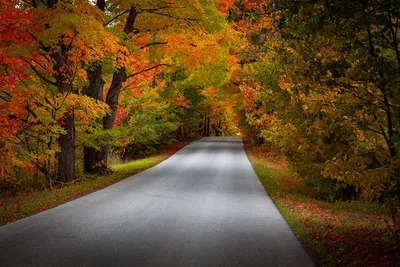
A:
[321,81]
[80,80]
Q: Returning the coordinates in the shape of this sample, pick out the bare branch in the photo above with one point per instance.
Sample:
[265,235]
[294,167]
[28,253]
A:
[114,18]
[147,69]
[42,46]
[42,76]
[153,43]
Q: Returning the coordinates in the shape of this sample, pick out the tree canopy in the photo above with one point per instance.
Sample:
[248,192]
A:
[81,81]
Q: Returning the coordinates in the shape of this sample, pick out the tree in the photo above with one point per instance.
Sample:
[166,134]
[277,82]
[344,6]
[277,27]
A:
[12,99]
[67,35]
[335,73]
[64,62]
[174,26]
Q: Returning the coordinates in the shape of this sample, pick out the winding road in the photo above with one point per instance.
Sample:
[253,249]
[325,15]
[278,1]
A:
[204,206]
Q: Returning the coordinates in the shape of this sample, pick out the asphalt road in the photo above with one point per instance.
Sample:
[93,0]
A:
[204,206]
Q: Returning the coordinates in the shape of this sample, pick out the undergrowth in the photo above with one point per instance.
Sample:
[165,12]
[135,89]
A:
[23,204]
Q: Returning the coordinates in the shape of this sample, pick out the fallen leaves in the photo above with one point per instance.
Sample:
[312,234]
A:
[335,234]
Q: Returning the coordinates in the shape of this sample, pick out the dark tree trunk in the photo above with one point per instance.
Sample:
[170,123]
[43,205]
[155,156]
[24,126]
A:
[205,126]
[101,4]
[200,128]
[93,158]
[66,157]
[389,133]
[208,126]
[63,76]
[216,129]
[119,77]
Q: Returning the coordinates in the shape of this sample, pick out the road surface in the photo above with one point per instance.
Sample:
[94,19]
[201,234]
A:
[204,206]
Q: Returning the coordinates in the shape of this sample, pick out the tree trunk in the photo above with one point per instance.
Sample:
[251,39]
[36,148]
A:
[66,142]
[66,157]
[119,77]
[93,158]
[208,126]
[389,134]
[63,76]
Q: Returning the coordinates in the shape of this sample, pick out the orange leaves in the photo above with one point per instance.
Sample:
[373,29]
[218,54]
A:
[194,50]
[180,100]
[210,91]
[224,5]
[284,84]
[52,48]
[350,238]
[14,22]
[13,38]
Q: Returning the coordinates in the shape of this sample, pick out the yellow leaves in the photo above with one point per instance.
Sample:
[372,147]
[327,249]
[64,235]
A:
[18,163]
[122,57]
[193,50]
[81,74]
[283,84]
[209,91]
[86,108]
[10,161]
[51,152]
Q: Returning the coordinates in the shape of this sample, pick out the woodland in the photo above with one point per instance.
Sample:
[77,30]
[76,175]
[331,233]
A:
[318,81]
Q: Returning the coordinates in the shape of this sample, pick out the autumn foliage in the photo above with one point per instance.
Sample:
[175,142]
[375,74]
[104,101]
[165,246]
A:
[83,82]
[80,80]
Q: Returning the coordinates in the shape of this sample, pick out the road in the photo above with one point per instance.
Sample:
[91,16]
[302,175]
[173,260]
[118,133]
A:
[204,206]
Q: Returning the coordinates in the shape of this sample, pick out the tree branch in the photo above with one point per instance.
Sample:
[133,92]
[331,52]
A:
[148,69]
[42,76]
[114,18]
[42,46]
[153,43]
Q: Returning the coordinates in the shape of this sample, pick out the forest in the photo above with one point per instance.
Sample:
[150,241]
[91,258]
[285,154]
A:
[84,82]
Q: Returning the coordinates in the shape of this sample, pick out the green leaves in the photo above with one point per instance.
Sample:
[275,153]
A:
[331,89]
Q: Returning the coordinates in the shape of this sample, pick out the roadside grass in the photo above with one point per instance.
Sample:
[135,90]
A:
[334,234]
[24,204]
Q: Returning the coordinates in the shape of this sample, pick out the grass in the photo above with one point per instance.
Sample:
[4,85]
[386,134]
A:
[334,234]
[25,204]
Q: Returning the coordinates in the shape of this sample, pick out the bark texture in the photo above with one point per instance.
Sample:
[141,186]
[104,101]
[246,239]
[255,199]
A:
[93,159]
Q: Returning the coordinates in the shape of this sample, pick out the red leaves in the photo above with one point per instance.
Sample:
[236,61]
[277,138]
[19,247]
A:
[223,5]
[13,36]
[121,116]
[350,238]
[338,233]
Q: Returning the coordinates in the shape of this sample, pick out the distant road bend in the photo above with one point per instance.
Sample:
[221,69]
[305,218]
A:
[204,206]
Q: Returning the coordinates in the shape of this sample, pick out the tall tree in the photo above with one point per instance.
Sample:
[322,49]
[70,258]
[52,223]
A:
[65,46]
[144,25]
[332,69]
